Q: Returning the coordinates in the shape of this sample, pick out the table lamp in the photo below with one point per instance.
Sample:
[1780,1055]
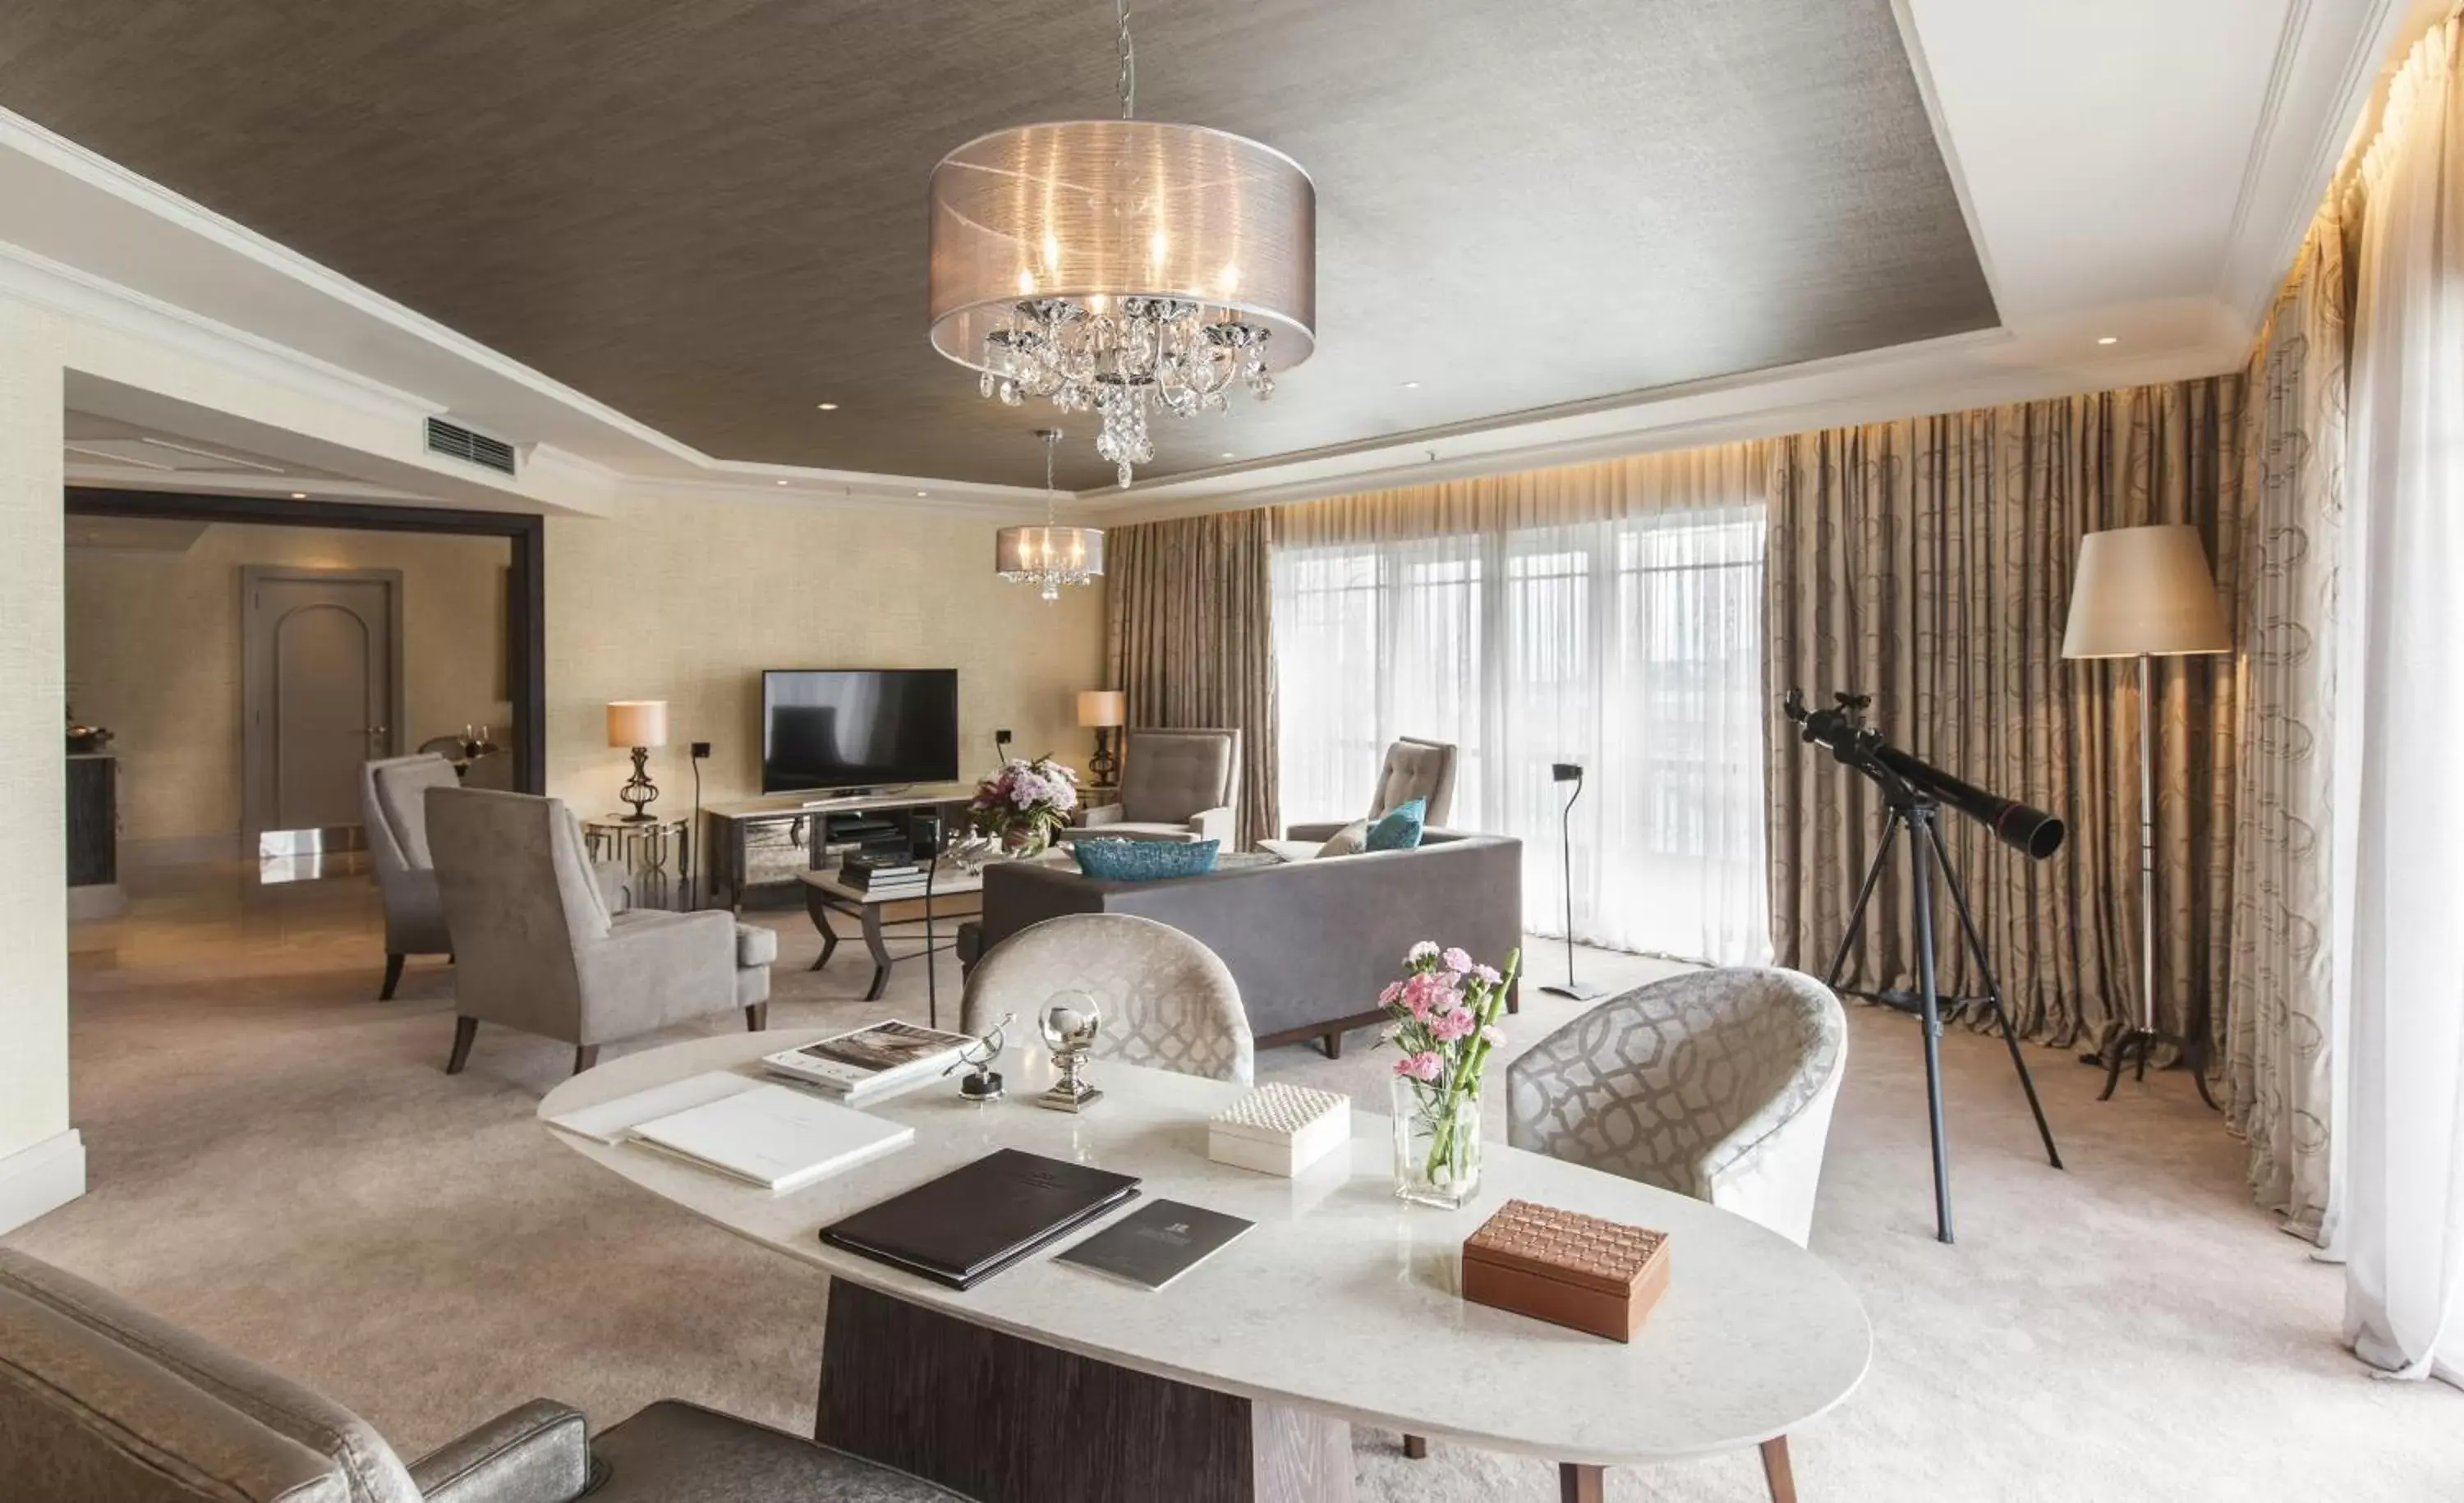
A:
[2143,592]
[638,724]
[1103,709]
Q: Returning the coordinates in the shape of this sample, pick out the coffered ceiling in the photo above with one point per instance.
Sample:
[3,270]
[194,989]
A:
[710,216]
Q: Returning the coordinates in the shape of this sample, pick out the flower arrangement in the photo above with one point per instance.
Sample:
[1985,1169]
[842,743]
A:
[1024,802]
[1446,1011]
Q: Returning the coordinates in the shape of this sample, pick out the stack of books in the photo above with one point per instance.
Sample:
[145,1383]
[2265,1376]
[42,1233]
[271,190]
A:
[871,1062]
[882,875]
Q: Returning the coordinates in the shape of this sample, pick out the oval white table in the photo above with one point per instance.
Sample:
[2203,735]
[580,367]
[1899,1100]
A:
[1240,1381]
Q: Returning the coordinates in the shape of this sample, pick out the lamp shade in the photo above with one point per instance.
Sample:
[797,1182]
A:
[2144,589]
[637,723]
[1102,708]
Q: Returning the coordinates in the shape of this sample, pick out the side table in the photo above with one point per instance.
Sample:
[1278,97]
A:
[645,847]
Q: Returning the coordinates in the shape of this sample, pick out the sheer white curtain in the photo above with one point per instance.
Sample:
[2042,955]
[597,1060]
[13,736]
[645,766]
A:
[2398,870]
[1607,615]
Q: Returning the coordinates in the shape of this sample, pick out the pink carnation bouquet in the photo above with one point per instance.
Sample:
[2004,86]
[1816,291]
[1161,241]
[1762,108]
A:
[1446,1011]
[1024,801]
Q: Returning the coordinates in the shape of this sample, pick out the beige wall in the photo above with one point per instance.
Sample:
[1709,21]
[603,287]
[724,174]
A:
[689,599]
[154,644]
[33,882]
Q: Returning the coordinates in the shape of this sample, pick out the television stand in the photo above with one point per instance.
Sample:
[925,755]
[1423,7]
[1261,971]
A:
[737,829]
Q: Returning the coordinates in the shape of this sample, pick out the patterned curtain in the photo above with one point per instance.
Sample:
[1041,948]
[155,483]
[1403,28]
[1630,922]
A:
[1188,636]
[1928,563]
[2277,1006]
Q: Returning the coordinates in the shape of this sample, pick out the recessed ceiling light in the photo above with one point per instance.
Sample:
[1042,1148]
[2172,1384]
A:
[2109,339]
[1411,385]
[298,496]
[1228,454]
[783,482]
[923,492]
[827,407]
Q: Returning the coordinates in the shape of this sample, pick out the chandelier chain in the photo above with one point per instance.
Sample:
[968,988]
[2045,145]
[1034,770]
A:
[1128,81]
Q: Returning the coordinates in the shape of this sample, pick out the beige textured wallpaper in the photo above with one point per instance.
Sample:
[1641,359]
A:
[689,599]
[154,654]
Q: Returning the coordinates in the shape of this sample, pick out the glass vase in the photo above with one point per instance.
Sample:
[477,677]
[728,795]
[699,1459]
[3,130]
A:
[1025,842]
[1437,1143]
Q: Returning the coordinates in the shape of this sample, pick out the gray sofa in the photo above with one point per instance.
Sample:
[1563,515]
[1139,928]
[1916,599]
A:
[1311,943]
[101,1401]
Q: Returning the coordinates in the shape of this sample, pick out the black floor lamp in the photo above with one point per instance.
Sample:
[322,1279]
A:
[1569,772]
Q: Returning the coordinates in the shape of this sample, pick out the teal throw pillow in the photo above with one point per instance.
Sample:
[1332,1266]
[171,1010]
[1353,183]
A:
[1398,828]
[1145,860]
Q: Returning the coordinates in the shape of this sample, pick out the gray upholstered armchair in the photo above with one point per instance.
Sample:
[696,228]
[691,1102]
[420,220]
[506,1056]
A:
[393,803]
[101,1400]
[1413,769]
[538,948]
[1175,786]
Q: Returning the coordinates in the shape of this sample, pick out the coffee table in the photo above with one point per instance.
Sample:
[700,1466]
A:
[954,894]
[1240,1381]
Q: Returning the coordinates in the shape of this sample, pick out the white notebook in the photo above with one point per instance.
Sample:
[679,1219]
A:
[774,1136]
[611,1122]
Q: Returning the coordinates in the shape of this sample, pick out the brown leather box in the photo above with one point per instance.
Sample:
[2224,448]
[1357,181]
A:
[1566,1267]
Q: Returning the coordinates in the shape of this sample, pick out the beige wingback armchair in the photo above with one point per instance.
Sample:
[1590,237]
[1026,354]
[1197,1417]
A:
[393,804]
[101,1400]
[1413,769]
[537,947]
[1175,786]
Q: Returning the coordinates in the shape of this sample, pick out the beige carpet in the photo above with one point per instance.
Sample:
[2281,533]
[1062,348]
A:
[279,1162]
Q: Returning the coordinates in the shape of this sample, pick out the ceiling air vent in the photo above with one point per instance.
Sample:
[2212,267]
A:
[456,442]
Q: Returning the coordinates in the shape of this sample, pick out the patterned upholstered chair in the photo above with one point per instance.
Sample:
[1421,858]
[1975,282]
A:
[1714,1084]
[1175,786]
[1413,769]
[1167,1002]
[101,1400]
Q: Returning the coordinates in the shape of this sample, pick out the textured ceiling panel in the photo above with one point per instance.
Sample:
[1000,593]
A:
[711,215]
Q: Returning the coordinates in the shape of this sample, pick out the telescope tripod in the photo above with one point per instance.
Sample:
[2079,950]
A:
[1913,814]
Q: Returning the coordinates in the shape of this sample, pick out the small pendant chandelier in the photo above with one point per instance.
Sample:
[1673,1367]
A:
[1123,267]
[1049,555]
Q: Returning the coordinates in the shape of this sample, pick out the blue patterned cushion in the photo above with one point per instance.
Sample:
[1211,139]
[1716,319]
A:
[1398,828]
[1145,860]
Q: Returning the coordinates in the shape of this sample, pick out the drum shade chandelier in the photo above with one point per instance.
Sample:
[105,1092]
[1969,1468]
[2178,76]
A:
[1049,555]
[1123,267]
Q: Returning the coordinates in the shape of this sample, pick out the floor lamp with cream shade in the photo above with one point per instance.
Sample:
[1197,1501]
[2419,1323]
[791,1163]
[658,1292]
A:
[2144,593]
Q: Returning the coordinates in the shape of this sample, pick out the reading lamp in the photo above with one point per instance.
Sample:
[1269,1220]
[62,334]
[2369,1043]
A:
[1101,710]
[2143,592]
[639,725]
[1569,772]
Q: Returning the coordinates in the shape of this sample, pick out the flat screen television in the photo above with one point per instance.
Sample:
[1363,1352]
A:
[858,727]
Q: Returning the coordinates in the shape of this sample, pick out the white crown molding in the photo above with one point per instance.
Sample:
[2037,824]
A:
[848,489]
[38,281]
[221,483]
[2328,60]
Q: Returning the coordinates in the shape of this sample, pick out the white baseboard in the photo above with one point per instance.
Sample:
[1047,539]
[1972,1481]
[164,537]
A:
[37,1181]
[171,850]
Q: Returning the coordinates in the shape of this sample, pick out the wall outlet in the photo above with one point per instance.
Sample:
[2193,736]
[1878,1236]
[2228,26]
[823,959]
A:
[700,749]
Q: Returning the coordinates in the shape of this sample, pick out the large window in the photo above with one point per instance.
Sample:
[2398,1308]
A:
[1629,645]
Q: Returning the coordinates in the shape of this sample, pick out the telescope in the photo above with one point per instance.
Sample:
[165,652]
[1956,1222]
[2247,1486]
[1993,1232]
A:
[2031,831]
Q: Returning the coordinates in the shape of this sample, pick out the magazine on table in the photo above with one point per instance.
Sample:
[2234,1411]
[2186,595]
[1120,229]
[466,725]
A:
[872,1060]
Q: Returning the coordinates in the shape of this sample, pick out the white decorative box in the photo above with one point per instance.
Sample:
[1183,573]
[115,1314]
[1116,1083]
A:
[1281,1129]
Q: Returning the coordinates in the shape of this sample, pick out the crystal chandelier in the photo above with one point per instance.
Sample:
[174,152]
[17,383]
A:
[1123,267]
[1051,555]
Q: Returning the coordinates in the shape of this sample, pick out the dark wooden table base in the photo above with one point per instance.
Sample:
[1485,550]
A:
[1006,1420]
